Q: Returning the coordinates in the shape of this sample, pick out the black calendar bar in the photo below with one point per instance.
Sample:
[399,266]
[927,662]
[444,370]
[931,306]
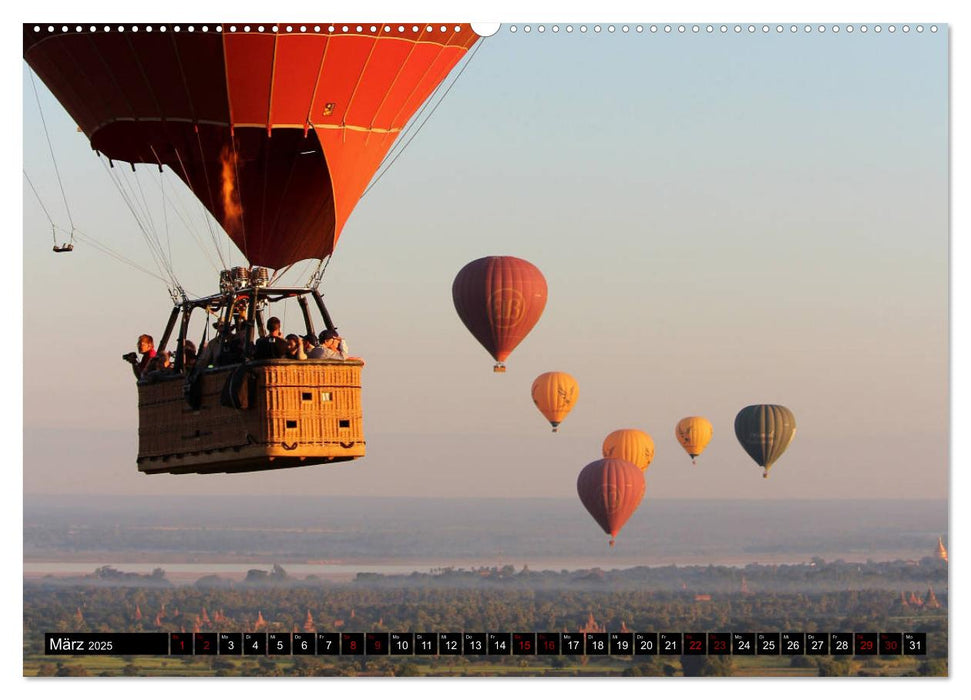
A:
[280,644]
[106,644]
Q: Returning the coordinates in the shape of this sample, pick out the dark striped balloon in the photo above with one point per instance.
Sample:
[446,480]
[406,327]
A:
[499,299]
[765,431]
[611,489]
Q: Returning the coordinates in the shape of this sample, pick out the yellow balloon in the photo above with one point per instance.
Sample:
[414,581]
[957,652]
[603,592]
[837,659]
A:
[554,394]
[635,446]
[694,433]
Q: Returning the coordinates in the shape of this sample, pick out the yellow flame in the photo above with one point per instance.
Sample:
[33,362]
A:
[232,210]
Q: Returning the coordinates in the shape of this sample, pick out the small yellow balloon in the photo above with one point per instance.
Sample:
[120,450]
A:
[694,434]
[555,394]
[635,446]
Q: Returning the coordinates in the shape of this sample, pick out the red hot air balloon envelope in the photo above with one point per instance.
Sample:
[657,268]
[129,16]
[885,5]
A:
[499,299]
[277,133]
[611,489]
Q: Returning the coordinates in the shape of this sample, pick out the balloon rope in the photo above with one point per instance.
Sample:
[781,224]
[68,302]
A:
[50,147]
[151,233]
[277,274]
[177,206]
[127,198]
[165,211]
[205,214]
[117,256]
[205,175]
[319,272]
[41,202]
[91,241]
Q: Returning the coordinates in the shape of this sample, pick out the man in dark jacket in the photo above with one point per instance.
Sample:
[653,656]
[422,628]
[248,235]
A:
[273,345]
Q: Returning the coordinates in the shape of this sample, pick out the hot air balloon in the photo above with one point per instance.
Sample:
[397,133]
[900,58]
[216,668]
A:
[277,130]
[611,490]
[499,299]
[694,434]
[765,431]
[555,394]
[635,446]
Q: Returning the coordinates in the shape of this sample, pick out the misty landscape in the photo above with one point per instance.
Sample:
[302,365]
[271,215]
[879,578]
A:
[430,533]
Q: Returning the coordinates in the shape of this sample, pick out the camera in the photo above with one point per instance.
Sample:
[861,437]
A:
[129,357]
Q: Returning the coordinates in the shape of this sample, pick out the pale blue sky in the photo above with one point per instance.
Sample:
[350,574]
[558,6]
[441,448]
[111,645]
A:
[722,220]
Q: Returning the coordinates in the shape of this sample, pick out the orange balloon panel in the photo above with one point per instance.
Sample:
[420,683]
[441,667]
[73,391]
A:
[555,394]
[636,446]
[694,433]
[611,490]
[276,132]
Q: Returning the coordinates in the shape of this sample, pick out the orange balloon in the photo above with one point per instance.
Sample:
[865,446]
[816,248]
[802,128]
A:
[694,433]
[554,394]
[636,446]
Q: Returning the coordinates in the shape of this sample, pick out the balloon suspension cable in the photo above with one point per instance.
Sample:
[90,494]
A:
[178,295]
[205,217]
[277,274]
[161,186]
[132,203]
[58,248]
[318,273]
[51,149]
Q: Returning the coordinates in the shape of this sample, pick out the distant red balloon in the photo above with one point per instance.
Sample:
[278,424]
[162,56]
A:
[499,299]
[611,490]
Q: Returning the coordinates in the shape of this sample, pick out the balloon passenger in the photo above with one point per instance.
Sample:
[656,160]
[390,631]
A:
[162,362]
[295,348]
[146,346]
[330,347]
[309,343]
[272,346]
[189,356]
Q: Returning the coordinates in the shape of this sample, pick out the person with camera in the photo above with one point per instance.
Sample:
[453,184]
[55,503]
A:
[332,347]
[146,346]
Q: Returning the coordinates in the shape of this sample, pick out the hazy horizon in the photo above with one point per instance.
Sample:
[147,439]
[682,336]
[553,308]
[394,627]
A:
[429,532]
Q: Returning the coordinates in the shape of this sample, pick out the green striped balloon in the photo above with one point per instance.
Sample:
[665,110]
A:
[765,431]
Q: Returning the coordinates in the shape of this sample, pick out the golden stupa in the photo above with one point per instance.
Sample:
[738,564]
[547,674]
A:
[941,551]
